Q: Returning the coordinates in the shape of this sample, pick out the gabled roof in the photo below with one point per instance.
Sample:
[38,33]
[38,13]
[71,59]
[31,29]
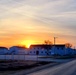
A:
[3,48]
[20,47]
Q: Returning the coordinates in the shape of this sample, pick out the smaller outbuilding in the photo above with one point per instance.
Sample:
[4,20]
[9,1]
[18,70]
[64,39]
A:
[17,50]
[3,50]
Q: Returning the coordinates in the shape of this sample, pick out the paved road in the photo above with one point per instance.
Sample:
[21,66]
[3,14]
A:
[68,68]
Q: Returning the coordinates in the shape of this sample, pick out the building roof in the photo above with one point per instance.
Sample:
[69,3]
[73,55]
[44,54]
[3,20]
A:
[41,45]
[59,45]
[20,47]
[47,46]
[3,48]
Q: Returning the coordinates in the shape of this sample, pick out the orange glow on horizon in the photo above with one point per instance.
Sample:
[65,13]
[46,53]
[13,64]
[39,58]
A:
[32,38]
[27,43]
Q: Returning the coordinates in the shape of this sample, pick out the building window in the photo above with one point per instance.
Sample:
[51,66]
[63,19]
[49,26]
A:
[49,48]
[58,48]
[62,48]
[42,52]
[34,48]
[30,52]
[37,48]
[45,52]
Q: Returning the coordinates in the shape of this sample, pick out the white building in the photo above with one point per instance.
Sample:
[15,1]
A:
[59,49]
[3,50]
[18,50]
[43,50]
[39,49]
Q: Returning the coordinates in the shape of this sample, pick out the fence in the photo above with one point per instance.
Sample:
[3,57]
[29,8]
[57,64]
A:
[18,57]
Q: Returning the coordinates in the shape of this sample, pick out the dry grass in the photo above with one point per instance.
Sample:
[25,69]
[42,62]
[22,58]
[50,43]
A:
[7,65]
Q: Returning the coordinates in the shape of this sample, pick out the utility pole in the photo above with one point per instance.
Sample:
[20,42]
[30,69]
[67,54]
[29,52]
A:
[54,43]
[55,40]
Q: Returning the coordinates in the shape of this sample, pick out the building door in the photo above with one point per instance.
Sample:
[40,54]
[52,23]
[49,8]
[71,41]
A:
[37,52]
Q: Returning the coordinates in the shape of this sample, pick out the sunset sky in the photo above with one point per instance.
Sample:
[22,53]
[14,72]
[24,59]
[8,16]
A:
[25,22]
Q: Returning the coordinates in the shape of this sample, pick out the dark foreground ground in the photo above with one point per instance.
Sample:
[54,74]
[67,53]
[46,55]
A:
[36,68]
[10,67]
[68,68]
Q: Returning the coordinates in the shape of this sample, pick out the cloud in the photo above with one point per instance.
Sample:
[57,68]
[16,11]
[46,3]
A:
[55,16]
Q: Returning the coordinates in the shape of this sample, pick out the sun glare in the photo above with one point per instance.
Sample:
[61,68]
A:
[27,43]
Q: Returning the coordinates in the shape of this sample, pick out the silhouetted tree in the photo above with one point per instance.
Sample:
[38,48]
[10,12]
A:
[68,45]
[48,42]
